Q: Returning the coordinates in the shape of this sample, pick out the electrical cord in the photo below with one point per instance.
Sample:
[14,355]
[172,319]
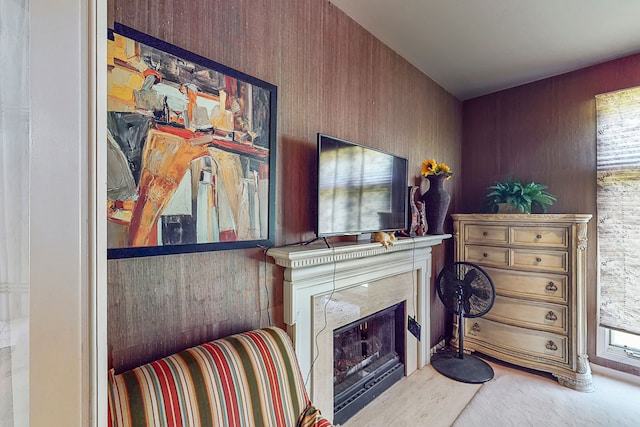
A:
[326,304]
[265,251]
[414,299]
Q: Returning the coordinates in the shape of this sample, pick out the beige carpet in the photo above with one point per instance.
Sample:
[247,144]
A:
[519,398]
[514,397]
[425,398]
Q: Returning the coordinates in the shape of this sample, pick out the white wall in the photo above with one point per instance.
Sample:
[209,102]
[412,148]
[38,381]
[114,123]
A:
[62,274]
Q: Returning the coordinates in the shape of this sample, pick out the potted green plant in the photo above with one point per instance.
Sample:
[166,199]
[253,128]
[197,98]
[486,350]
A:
[515,197]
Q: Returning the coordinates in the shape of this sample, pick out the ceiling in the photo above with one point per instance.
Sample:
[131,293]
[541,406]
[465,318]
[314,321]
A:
[475,47]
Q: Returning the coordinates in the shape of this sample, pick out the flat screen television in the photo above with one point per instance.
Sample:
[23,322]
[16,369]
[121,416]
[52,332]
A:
[360,189]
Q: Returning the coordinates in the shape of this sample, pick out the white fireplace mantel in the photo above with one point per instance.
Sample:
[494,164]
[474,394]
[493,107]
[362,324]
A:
[316,274]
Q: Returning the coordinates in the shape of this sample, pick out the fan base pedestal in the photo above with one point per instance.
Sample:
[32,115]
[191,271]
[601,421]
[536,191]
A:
[469,369]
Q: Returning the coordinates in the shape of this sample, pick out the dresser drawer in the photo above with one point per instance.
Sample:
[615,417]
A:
[532,343]
[486,234]
[539,260]
[529,314]
[523,284]
[540,236]
[486,255]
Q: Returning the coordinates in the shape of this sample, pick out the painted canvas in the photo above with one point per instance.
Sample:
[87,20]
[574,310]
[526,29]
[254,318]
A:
[190,151]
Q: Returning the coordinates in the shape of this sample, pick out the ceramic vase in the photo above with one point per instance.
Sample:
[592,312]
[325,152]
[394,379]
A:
[436,203]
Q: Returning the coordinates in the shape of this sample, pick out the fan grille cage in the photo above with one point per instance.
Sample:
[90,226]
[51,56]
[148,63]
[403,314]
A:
[469,282]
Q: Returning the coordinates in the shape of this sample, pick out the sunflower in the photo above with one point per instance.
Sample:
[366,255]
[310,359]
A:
[429,167]
[443,168]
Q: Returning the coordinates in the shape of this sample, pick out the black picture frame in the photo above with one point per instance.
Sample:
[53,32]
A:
[191,155]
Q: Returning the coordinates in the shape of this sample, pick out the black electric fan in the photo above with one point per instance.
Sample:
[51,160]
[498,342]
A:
[466,290]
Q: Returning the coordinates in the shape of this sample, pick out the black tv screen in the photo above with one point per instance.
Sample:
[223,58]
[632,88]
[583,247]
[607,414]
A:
[360,189]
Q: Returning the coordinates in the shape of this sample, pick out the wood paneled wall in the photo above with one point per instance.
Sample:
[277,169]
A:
[333,77]
[546,132]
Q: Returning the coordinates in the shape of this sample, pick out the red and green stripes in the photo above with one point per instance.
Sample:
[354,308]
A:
[249,379]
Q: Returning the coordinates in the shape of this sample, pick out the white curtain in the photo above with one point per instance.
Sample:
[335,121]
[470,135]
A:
[14,212]
[618,197]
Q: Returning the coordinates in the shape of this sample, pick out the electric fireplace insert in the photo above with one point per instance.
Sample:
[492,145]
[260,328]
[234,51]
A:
[368,357]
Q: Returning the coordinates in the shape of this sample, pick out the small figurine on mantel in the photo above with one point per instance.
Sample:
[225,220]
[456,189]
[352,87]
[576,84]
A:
[418,226]
[386,239]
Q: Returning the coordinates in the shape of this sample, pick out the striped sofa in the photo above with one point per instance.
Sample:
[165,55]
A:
[250,379]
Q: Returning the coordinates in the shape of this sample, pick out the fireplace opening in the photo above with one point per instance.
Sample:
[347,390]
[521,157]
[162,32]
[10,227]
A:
[368,357]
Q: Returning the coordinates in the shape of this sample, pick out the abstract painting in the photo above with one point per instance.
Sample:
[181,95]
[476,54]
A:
[190,151]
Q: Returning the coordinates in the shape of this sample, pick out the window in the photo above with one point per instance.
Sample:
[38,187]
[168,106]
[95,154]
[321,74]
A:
[629,342]
[618,222]
[618,346]
[15,155]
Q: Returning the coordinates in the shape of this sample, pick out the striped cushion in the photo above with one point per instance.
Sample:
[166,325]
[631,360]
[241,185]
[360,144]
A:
[250,379]
[311,417]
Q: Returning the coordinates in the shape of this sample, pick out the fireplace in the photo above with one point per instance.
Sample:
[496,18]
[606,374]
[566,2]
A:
[368,358]
[326,289]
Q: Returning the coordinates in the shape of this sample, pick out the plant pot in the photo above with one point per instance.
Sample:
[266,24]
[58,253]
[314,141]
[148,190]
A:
[508,208]
[436,204]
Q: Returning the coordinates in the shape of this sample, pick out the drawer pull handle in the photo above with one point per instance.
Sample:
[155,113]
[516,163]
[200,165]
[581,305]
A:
[485,234]
[475,327]
[551,346]
[538,259]
[538,236]
[551,287]
[485,254]
[551,316]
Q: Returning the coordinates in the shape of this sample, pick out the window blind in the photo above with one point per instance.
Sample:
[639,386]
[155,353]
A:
[618,204]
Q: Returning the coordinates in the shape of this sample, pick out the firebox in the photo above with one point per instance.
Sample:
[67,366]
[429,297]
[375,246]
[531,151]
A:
[368,357]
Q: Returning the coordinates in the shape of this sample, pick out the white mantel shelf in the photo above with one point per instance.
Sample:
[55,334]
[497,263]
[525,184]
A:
[318,253]
[358,278]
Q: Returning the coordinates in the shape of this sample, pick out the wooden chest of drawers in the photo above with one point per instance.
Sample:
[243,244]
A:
[537,264]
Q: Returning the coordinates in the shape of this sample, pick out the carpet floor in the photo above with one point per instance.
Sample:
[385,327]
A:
[516,397]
